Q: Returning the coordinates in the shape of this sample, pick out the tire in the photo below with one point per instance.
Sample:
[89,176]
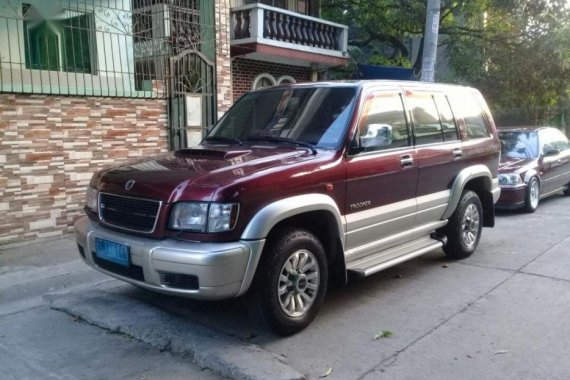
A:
[567,190]
[467,218]
[532,195]
[285,253]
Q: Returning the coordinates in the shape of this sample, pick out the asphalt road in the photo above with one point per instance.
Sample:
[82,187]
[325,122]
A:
[502,313]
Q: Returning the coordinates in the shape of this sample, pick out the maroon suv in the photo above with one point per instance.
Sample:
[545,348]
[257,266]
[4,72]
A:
[535,163]
[298,185]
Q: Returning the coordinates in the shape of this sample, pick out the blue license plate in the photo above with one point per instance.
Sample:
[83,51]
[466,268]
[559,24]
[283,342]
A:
[113,252]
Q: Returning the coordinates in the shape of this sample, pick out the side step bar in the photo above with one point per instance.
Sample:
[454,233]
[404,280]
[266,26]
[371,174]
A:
[382,260]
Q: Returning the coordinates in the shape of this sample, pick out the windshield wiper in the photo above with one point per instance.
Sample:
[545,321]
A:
[223,139]
[285,140]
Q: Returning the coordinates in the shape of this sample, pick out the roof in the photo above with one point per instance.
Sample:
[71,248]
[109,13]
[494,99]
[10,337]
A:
[368,83]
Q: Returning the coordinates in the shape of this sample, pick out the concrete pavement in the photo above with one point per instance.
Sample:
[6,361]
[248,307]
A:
[500,314]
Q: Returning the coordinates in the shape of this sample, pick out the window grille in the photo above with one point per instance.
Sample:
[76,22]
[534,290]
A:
[99,47]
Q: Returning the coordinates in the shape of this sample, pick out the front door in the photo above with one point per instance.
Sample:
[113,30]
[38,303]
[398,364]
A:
[555,168]
[381,178]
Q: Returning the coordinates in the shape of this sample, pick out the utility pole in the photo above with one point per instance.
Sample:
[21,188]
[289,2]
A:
[430,40]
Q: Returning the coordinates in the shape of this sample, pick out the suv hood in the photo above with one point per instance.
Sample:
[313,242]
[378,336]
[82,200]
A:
[516,165]
[203,168]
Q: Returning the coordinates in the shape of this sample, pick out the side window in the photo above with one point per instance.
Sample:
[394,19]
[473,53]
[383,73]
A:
[466,105]
[554,139]
[383,125]
[447,120]
[427,127]
[561,141]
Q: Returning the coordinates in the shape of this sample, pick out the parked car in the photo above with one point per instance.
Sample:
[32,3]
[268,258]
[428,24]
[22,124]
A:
[296,186]
[535,163]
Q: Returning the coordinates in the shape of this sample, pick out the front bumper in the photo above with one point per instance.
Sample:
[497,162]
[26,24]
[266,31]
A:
[223,270]
[512,197]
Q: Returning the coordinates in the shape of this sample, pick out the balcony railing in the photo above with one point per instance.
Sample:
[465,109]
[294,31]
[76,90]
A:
[259,23]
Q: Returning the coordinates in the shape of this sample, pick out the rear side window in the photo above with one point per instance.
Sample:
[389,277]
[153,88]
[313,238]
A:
[383,125]
[427,127]
[446,116]
[466,105]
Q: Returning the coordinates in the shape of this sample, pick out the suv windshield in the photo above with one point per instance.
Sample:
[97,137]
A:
[317,116]
[519,144]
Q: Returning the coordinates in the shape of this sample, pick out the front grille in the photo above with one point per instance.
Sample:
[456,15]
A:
[135,214]
[180,281]
[132,271]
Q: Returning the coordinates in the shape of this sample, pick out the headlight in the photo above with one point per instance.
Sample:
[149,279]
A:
[91,198]
[203,217]
[189,216]
[510,179]
[222,217]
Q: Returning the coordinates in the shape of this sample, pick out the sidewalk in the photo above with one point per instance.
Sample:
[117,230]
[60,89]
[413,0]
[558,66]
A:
[61,317]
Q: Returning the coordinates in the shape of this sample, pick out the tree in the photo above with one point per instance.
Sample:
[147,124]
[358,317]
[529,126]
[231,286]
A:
[515,51]
[520,62]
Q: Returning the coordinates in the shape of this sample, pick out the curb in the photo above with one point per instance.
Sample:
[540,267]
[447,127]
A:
[207,348]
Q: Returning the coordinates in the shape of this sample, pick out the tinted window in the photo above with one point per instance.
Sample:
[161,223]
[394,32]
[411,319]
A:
[383,125]
[465,105]
[446,116]
[427,128]
[519,144]
[315,115]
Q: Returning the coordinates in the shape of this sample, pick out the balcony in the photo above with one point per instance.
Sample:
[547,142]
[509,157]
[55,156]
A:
[266,33]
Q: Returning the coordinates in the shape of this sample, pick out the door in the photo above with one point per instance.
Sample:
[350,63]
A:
[555,160]
[381,178]
[439,153]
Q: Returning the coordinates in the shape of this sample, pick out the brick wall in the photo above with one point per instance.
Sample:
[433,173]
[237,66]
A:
[244,71]
[50,146]
[223,63]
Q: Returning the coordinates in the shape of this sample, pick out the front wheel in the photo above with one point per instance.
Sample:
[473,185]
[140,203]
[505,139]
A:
[532,195]
[463,230]
[291,280]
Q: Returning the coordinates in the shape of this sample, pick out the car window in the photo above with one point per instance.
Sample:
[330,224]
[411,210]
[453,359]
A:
[519,144]
[448,125]
[466,105]
[553,139]
[318,116]
[427,127]
[383,124]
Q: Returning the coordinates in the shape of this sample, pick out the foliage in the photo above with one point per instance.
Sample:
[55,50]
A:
[521,61]
[517,52]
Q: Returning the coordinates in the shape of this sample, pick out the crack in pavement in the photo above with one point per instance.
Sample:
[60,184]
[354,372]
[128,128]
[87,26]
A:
[392,359]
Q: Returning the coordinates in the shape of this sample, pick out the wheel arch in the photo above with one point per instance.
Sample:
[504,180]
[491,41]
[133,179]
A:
[478,179]
[317,213]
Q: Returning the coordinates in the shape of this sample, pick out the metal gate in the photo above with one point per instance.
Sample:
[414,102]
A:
[192,85]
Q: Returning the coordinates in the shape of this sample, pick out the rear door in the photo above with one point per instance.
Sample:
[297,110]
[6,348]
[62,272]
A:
[438,150]
[381,177]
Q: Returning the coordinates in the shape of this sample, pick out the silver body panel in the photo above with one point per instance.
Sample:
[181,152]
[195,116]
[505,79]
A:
[224,269]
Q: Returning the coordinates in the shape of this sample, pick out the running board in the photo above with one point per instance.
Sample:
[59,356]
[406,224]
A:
[382,260]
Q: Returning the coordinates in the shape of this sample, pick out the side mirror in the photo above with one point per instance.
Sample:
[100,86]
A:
[376,136]
[548,152]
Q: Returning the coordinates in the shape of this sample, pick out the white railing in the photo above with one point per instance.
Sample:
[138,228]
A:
[260,23]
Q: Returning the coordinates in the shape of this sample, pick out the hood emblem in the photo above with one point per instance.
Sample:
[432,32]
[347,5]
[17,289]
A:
[129,184]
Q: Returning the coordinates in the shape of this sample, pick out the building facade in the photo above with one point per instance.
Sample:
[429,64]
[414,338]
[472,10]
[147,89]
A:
[89,83]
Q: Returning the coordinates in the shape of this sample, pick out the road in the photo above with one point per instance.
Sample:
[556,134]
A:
[502,313]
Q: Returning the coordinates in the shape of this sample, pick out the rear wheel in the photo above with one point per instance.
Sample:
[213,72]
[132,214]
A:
[532,195]
[291,280]
[463,230]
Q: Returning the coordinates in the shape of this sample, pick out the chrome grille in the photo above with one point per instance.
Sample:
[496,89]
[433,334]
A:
[134,214]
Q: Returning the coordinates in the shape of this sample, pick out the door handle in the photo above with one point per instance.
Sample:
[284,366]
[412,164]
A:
[406,161]
[457,153]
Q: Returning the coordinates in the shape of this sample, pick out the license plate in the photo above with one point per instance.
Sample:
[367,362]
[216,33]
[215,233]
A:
[113,252]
